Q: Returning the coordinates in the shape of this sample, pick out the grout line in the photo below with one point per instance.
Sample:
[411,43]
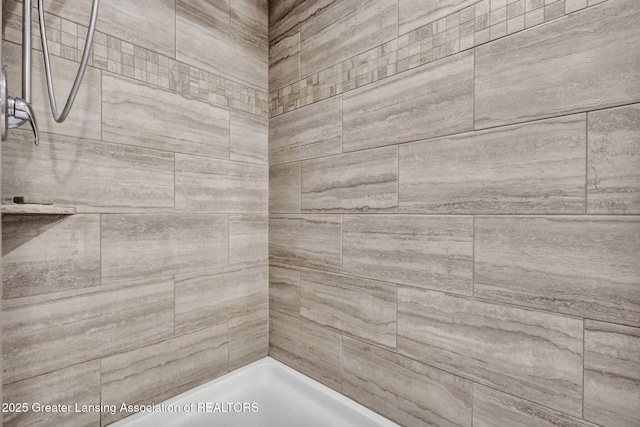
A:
[584,327]
[586,165]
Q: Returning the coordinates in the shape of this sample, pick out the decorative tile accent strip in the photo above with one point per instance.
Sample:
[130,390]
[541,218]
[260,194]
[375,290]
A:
[480,23]
[67,38]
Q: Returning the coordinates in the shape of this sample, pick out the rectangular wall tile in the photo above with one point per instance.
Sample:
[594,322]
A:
[284,62]
[517,78]
[210,297]
[432,252]
[44,254]
[48,332]
[416,13]
[345,29]
[135,246]
[537,167]
[535,355]
[159,371]
[311,131]
[312,241]
[365,309]
[91,176]
[366,182]
[584,266]
[135,113]
[287,16]
[433,100]
[249,239]
[408,392]
[307,348]
[611,374]
[284,289]
[249,337]
[209,185]
[284,188]
[249,134]
[75,385]
[613,171]
[492,408]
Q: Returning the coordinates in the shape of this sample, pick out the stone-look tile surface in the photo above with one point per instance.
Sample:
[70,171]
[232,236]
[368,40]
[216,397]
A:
[613,168]
[84,120]
[309,132]
[308,348]
[584,266]
[233,48]
[44,254]
[416,13]
[284,62]
[249,336]
[135,246]
[249,239]
[83,325]
[363,182]
[492,408]
[139,114]
[284,188]
[159,371]
[210,297]
[219,186]
[429,101]
[408,392]
[91,176]
[249,138]
[365,309]
[287,16]
[284,289]
[535,355]
[312,241]
[346,28]
[611,374]
[531,168]
[78,384]
[525,66]
[432,252]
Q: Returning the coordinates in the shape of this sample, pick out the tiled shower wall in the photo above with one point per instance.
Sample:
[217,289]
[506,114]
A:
[160,281]
[454,230]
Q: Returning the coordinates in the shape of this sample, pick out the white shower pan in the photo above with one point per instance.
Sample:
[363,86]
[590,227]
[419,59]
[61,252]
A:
[284,398]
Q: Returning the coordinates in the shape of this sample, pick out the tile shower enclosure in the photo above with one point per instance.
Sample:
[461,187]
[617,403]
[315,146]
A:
[431,207]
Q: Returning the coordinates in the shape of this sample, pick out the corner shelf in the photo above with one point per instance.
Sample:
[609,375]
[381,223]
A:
[16,209]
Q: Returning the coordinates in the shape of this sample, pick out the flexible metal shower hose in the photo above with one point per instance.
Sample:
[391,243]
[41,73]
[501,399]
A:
[83,63]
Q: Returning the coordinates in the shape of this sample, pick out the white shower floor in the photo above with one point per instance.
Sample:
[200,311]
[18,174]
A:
[285,398]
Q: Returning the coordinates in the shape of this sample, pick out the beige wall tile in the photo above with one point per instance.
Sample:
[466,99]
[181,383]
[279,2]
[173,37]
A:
[249,337]
[408,392]
[611,374]
[584,266]
[284,62]
[306,347]
[430,252]
[432,100]
[252,14]
[312,241]
[249,239]
[416,13]
[48,332]
[284,188]
[345,29]
[135,246]
[139,114]
[91,176]
[159,371]
[308,132]
[365,309]
[537,168]
[249,134]
[613,171]
[603,73]
[287,16]
[44,254]
[75,385]
[209,185]
[284,289]
[365,182]
[534,355]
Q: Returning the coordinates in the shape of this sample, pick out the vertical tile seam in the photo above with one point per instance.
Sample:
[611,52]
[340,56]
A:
[584,354]
[586,164]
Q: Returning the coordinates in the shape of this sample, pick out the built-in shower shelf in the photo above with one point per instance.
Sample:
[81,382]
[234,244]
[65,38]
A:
[18,209]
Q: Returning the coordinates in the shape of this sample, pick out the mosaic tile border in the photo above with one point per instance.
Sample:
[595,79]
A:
[480,23]
[67,38]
